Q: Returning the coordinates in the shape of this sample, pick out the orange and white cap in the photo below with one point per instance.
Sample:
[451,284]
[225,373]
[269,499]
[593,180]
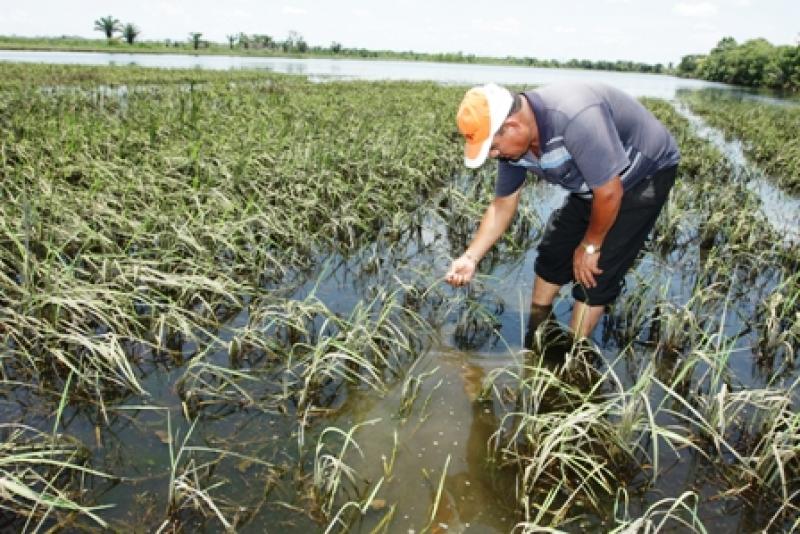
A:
[480,115]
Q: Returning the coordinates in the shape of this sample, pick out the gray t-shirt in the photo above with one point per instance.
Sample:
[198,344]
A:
[589,133]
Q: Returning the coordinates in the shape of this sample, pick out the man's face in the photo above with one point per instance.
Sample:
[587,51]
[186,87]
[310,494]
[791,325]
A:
[510,142]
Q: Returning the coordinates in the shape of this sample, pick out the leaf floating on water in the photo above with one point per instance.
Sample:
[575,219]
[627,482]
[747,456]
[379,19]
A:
[378,504]
[163,435]
[244,465]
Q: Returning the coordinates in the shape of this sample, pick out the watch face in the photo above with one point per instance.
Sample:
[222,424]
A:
[590,249]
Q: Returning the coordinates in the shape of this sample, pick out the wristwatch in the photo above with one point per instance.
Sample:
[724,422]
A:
[590,248]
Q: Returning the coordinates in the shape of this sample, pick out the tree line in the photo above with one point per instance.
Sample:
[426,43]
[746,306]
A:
[295,43]
[753,63]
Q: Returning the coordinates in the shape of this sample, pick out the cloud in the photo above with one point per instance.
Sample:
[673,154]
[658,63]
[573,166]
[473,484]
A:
[565,29]
[704,27]
[168,10]
[695,9]
[510,25]
[616,39]
[15,15]
[289,10]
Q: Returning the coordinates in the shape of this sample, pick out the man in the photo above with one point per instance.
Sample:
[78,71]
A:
[616,159]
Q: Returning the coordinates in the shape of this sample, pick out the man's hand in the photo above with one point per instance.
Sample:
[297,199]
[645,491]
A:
[461,271]
[584,267]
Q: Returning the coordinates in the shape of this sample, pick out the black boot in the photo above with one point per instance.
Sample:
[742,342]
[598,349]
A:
[544,336]
[538,315]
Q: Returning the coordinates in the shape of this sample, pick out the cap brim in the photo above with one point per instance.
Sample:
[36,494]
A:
[475,155]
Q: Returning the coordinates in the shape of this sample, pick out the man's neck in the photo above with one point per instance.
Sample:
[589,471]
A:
[530,118]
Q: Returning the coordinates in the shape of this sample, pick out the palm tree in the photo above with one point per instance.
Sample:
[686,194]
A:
[195,38]
[232,39]
[107,25]
[130,32]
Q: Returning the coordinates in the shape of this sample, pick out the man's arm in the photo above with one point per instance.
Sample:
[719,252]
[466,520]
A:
[605,207]
[495,221]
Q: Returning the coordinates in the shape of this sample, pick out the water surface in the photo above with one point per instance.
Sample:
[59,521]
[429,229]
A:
[639,84]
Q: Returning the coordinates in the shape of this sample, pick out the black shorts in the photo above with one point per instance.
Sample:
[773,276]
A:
[567,226]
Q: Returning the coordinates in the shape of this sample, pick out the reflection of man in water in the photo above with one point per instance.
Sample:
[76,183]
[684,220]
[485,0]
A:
[616,159]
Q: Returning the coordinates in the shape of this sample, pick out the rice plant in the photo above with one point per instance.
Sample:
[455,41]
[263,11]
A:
[235,248]
[43,478]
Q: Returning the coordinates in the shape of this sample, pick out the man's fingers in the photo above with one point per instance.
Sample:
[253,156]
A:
[585,272]
[456,276]
[585,277]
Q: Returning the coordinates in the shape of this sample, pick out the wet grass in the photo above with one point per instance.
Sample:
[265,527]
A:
[203,283]
[139,225]
[50,76]
[769,132]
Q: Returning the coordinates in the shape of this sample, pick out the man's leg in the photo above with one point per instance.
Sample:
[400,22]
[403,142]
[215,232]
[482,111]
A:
[585,318]
[544,293]
[565,229]
[626,238]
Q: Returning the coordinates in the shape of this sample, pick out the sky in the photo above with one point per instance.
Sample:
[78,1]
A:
[650,31]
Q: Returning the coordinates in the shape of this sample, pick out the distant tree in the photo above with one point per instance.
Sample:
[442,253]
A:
[263,41]
[689,65]
[293,42]
[753,63]
[194,37]
[336,47]
[725,44]
[108,25]
[130,32]
[256,41]
[232,40]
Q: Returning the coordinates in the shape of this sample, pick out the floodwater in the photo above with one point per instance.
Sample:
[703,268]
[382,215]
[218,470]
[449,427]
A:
[442,442]
[406,457]
[660,86]
[781,209]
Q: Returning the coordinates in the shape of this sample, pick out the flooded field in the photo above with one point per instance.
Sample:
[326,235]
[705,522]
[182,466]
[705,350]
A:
[223,308]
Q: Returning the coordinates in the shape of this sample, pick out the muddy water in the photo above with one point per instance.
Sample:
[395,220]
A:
[447,422]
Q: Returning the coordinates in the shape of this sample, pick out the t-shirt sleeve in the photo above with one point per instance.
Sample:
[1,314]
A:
[509,178]
[592,139]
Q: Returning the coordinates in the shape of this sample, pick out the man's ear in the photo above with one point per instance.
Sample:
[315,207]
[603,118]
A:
[510,123]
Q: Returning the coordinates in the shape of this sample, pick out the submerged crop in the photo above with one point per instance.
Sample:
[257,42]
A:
[222,306]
